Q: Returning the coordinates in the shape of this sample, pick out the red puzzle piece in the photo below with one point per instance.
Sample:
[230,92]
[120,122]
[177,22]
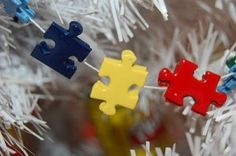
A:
[182,83]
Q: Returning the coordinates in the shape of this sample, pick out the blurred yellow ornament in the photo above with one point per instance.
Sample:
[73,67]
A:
[112,131]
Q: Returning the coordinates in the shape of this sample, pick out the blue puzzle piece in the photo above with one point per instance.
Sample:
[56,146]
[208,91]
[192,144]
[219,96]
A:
[232,69]
[228,86]
[18,9]
[229,83]
[67,44]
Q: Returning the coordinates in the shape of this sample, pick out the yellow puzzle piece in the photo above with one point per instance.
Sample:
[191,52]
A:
[126,80]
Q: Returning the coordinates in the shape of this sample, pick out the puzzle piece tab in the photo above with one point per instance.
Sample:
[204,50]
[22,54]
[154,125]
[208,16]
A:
[67,45]
[182,83]
[126,79]
[229,84]
[19,9]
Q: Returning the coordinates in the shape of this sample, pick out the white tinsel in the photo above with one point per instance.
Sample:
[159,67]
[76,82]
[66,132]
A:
[108,21]
[18,80]
[168,151]
[17,102]
[103,16]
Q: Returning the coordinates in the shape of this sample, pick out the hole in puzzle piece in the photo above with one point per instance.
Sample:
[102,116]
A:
[133,87]
[72,58]
[50,44]
[47,46]
[198,73]
[106,80]
[188,101]
[70,62]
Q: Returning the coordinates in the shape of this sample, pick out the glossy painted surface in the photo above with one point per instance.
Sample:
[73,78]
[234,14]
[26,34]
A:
[67,45]
[181,83]
[126,80]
